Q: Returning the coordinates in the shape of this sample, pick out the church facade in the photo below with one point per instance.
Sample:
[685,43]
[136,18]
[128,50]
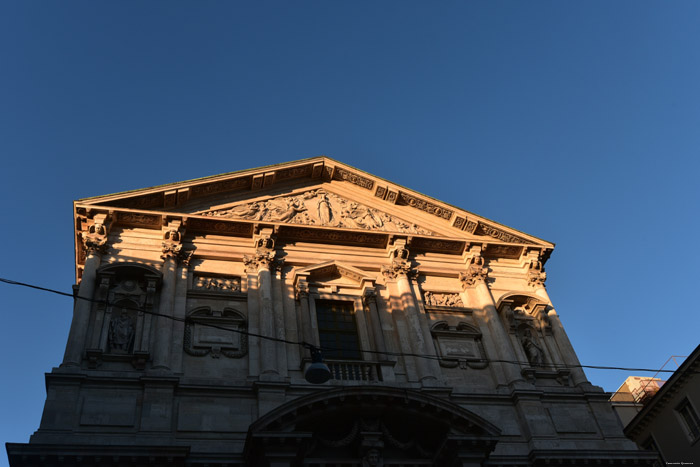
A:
[199,305]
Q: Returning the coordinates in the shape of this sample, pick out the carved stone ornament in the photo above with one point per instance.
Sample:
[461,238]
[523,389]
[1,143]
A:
[320,208]
[121,332]
[171,251]
[476,272]
[301,290]
[204,334]
[535,274]
[261,259]
[400,264]
[95,239]
[531,346]
[217,283]
[459,346]
[443,299]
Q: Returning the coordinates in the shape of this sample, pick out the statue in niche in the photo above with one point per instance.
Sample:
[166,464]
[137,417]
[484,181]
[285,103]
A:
[372,458]
[121,333]
[532,350]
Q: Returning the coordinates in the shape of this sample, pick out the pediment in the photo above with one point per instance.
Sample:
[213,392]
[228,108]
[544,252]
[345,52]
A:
[330,271]
[317,207]
[317,200]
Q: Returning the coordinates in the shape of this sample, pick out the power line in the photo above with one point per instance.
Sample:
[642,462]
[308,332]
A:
[311,346]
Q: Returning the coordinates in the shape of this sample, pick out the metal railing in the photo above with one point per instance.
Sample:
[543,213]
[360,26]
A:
[354,370]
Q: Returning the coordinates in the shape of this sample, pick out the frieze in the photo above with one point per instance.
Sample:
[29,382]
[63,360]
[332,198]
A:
[217,283]
[500,234]
[443,299]
[222,185]
[333,236]
[137,219]
[444,246]
[320,208]
[424,205]
[211,226]
[459,222]
[294,172]
[140,202]
[359,180]
[503,251]
[380,192]
[471,226]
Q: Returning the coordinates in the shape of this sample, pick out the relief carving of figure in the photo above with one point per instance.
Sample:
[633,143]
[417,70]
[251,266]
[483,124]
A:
[532,350]
[121,332]
[318,207]
[325,211]
[362,217]
[372,458]
[284,214]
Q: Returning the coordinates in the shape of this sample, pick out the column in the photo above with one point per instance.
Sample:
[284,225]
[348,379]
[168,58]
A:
[180,312]
[474,280]
[399,270]
[268,354]
[536,278]
[280,325]
[172,250]
[253,317]
[94,242]
[369,298]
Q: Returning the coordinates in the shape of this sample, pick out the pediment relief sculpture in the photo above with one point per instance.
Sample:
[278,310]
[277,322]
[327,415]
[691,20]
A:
[321,208]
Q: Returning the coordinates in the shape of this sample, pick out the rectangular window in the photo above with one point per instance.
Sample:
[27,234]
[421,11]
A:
[337,329]
[690,419]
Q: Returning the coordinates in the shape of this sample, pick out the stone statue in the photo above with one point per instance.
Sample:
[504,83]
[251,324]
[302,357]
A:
[372,458]
[121,333]
[532,350]
[325,211]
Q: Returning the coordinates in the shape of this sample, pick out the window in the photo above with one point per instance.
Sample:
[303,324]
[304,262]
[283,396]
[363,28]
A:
[690,419]
[337,329]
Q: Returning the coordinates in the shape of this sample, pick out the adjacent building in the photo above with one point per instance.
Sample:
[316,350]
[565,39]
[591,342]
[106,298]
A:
[200,303]
[669,422]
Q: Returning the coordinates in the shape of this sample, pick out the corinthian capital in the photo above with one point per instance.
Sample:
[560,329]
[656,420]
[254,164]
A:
[476,272]
[369,296]
[301,290]
[535,274]
[261,259]
[397,269]
[95,238]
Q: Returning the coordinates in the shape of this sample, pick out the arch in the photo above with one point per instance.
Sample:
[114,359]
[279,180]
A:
[403,425]
[521,298]
[129,267]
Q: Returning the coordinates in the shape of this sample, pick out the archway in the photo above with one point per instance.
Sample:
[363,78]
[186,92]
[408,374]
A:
[370,426]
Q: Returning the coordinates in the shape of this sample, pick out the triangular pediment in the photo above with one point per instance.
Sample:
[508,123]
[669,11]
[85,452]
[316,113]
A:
[332,270]
[318,200]
[318,207]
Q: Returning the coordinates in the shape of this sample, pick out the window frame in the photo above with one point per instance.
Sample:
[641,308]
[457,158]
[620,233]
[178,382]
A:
[363,340]
[693,433]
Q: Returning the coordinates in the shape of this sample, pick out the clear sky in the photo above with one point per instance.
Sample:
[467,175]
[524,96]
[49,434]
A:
[577,122]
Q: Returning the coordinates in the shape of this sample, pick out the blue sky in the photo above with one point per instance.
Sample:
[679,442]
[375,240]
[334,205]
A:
[577,122]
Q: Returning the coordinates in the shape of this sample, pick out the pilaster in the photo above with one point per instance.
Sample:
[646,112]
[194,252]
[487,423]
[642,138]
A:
[94,243]
[474,283]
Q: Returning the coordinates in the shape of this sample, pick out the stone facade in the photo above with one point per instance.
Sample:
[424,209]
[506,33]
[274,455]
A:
[204,297]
